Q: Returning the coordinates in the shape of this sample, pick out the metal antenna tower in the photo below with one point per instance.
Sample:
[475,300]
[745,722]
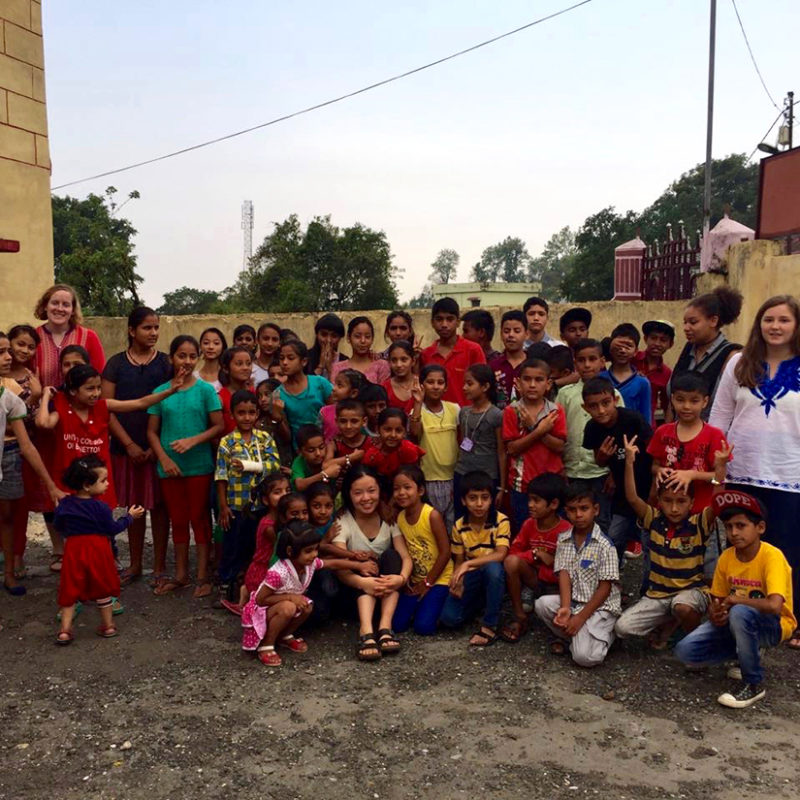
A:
[247,227]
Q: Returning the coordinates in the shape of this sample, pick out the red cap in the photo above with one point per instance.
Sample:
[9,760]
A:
[734,500]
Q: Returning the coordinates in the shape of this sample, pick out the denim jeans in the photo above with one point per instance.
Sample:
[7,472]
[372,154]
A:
[622,529]
[425,611]
[746,631]
[483,588]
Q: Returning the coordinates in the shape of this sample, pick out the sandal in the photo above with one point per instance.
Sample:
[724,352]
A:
[484,639]
[514,631]
[558,648]
[368,648]
[64,638]
[126,577]
[107,632]
[116,607]
[388,642]
[294,643]
[56,562]
[794,641]
[203,588]
[157,578]
[234,608]
[168,585]
[268,657]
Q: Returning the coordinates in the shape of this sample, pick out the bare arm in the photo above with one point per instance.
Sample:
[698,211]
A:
[44,417]
[636,503]
[31,455]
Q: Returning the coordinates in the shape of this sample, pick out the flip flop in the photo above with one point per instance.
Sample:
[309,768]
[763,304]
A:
[169,585]
[794,641]
[156,578]
[126,577]
[203,588]
[56,563]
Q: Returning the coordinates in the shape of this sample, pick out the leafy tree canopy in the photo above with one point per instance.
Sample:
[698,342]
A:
[93,251]
[506,261]
[444,266]
[189,301]
[554,262]
[320,268]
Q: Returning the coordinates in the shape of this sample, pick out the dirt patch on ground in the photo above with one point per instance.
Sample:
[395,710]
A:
[172,709]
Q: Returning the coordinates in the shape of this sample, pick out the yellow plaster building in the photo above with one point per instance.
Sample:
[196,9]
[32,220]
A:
[25,212]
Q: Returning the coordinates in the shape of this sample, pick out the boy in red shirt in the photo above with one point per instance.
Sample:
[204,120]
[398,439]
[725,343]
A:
[659,336]
[532,553]
[452,351]
[683,451]
[534,430]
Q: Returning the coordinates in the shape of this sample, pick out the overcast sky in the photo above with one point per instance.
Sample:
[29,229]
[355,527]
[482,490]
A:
[602,106]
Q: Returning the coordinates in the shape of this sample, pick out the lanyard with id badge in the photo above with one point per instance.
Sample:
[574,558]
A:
[468,443]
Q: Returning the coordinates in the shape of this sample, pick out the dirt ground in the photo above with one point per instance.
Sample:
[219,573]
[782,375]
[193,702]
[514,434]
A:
[173,709]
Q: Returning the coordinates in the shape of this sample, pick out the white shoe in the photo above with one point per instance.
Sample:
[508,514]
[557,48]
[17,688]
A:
[527,599]
[744,696]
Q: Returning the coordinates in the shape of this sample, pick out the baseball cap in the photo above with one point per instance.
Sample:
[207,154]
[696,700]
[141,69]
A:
[575,315]
[732,501]
[658,326]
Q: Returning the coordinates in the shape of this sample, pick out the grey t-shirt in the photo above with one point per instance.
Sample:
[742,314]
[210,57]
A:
[481,428]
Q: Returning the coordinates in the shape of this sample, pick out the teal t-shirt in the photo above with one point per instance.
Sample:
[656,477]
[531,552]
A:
[303,408]
[185,414]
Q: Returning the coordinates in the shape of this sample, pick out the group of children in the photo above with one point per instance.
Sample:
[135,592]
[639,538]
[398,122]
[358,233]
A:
[417,487]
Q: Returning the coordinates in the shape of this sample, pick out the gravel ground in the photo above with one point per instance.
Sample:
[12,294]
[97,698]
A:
[173,709]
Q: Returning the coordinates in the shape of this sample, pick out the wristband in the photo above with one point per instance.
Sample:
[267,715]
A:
[428,584]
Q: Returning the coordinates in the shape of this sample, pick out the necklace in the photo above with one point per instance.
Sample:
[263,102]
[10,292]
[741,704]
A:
[150,356]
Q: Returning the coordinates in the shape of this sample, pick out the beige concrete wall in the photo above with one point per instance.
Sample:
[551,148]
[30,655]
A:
[606,315]
[25,213]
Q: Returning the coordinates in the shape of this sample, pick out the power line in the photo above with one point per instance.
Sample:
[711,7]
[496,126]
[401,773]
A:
[317,106]
[753,58]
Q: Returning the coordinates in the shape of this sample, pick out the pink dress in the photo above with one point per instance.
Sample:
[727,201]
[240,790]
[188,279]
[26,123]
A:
[282,578]
[377,372]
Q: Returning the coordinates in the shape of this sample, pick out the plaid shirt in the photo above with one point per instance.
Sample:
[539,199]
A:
[260,448]
[596,561]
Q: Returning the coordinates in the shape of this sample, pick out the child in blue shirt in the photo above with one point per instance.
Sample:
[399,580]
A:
[634,388]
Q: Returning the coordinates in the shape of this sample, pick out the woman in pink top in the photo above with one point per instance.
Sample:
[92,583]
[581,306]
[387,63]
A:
[60,308]
[360,336]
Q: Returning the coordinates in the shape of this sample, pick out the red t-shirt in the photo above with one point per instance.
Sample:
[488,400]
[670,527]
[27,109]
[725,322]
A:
[388,463]
[538,458]
[530,537]
[697,454]
[225,396]
[464,354]
[395,401]
[75,438]
[659,379]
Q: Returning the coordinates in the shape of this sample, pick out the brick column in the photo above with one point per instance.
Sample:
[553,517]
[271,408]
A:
[25,211]
[628,270]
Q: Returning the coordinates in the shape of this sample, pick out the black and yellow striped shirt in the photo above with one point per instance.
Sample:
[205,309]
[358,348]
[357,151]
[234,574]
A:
[677,553]
[466,541]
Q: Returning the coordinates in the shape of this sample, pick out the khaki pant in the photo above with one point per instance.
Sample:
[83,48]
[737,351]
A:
[651,612]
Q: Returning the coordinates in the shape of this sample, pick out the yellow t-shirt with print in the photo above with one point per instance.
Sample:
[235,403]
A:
[439,440]
[472,543]
[768,573]
[423,547]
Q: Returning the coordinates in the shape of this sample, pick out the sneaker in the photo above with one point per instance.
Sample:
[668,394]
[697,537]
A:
[527,599]
[744,696]
[734,672]
[633,549]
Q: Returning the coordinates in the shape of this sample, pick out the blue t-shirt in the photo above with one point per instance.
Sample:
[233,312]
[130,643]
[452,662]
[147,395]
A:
[84,516]
[185,414]
[636,393]
[303,408]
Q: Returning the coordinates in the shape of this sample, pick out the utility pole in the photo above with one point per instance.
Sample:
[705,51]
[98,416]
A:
[247,227]
[710,120]
[790,115]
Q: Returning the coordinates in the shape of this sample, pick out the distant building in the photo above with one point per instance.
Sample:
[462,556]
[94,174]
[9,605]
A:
[474,295]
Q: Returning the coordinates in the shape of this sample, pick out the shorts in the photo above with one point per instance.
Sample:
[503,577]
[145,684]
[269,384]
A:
[11,486]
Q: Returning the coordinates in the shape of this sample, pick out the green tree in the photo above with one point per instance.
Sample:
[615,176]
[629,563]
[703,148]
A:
[554,262]
[93,251]
[189,301]
[591,273]
[423,300]
[444,266]
[322,268]
[506,261]
[734,182]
